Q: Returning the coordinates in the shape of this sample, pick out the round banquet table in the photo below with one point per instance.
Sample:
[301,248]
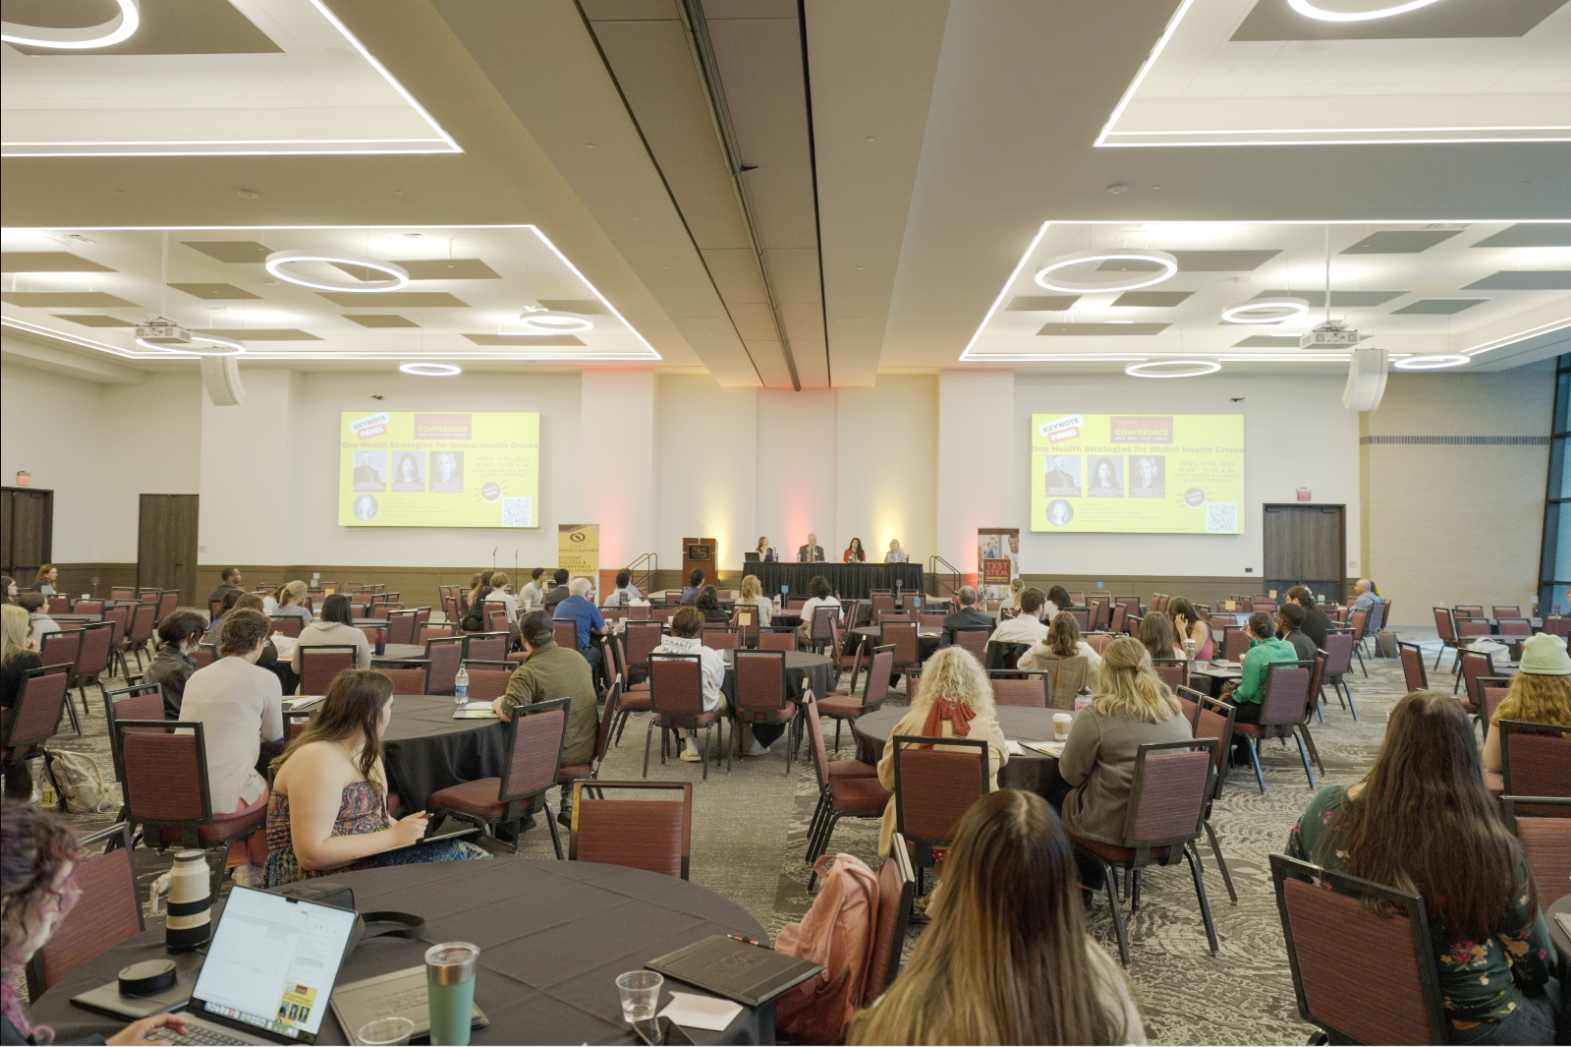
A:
[1211,677]
[393,653]
[427,750]
[802,669]
[553,936]
[1030,770]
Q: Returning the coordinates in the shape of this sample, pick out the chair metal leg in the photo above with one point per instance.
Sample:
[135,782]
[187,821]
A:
[1361,665]
[550,820]
[1200,893]
[1134,890]
[837,736]
[829,831]
[648,737]
[708,747]
[619,727]
[1303,755]
[1350,705]
[1254,756]
[1110,882]
[812,825]
[790,745]
[1314,753]
[1221,862]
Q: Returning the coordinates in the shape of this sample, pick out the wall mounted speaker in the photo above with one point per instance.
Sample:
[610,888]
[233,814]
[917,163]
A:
[221,375]
[1366,379]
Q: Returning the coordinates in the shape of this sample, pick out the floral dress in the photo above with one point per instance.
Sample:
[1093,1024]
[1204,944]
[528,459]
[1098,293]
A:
[1479,980]
[361,810]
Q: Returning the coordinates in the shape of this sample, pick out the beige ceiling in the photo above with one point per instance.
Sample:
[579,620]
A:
[897,178]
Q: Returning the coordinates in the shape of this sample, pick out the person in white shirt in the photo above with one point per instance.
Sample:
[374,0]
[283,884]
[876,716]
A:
[1062,641]
[819,595]
[39,624]
[500,595]
[687,637]
[532,597]
[753,597]
[1026,627]
[336,629]
[625,593]
[895,553]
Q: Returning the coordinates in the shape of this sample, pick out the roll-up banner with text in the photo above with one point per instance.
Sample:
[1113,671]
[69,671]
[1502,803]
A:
[578,550]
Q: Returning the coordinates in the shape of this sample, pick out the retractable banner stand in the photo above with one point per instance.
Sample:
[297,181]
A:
[997,559]
[578,550]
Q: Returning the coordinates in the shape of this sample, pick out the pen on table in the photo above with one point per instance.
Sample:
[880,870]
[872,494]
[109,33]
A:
[740,938]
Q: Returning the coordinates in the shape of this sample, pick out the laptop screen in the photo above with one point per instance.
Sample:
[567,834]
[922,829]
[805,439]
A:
[272,963]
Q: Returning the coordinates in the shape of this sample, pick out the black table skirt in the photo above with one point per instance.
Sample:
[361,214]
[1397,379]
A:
[851,581]
[801,670]
[428,750]
[1030,771]
[553,937]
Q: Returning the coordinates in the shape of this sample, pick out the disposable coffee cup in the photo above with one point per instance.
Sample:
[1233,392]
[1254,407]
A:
[1189,649]
[1061,722]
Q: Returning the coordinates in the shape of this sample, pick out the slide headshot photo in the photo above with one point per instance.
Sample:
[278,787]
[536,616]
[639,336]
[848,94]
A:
[406,474]
[370,470]
[1060,513]
[447,472]
[1062,475]
[1106,479]
[1148,476]
[365,508]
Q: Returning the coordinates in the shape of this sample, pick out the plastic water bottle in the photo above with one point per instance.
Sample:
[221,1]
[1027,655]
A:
[1082,699]
[461,687]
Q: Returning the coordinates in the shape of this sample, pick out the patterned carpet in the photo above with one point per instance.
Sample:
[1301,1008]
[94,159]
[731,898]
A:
[750,831]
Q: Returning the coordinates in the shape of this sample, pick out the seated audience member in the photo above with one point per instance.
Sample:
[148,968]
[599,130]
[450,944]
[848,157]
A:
[479,592]
[179,635]
[1011,600]
[580,607]
[1156,635]
[695,585]
[854,552]
[753,597]
[1496,960]
[687,637]
[227,604]
[1006,957]
[547,673]
[819,594]
[228,579]
[1316,625]
[531,597]
[1188,625]
[1061,642]
[292,602]
[1057,600]
[558,591]
[1366,595]
[269,660]
[954,701]
[328,809]
[1249,692]
[708,603]
[626,593]
[39,856]
[239,705]
[968,617]
[1132,706]
[1026,627]
[499,594]
[1289,625]
[474,619]
[39,623]
[16,658]
[334,630]
[1540,692]
[8,587]
[45,580]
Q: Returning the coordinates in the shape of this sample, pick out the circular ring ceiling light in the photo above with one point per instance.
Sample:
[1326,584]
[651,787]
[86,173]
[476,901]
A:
[553,323]
[1265,311]
[216,346]
[431,370]
[1432,362]
[278,262]
[106,34]
[1172,368]
[1309,10]
[1142,278]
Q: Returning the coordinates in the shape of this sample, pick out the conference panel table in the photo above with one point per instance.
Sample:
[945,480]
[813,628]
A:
[1028,770]
[553,936]
[850,581]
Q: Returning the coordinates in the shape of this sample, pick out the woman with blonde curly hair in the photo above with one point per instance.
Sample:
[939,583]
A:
[1540,692]
[955,701]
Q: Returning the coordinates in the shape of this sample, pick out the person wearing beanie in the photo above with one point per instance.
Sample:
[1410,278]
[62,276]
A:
[1540,692]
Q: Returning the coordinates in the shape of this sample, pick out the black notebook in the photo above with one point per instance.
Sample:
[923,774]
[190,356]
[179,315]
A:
[749,974]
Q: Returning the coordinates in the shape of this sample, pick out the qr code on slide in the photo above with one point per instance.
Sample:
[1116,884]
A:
[1222,518]
[518,512]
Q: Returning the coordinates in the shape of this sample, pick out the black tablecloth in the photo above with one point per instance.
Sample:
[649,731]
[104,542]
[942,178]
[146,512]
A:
[801,669]
[393,653]
[851,581]
[1030,770]
[427,750]
[553,937]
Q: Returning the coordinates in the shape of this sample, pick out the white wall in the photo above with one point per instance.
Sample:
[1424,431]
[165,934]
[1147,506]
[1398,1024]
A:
[983,461]
[707,441]
[617,441]
[886,482]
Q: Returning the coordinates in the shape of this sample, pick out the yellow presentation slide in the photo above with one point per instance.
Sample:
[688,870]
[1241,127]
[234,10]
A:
[1137,474]
[413,469]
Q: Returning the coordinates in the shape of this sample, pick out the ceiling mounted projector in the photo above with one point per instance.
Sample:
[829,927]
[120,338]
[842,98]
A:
[1333,334]
[158,329]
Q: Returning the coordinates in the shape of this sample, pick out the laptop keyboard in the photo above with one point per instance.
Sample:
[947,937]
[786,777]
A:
[194,1034]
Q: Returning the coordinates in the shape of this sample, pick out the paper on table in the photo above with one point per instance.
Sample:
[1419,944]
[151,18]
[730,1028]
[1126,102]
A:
[701,1012]
[1014,747]
[1048,748]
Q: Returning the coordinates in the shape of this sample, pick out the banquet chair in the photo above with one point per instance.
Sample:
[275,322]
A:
[936,782]
[844,705]
[1339,662]
[744,619]
[214,609]
[1025,691]
[44,694]
[443,654]
[902,636]
[1118,619]
[108,910]
[168,602]
[491,647]
[565,632]
[1235,643]
[824,633]
[288,625]
[567,774]
[64,648]
[722,639]
[1172,671]
[1514,627]
[931,621]
[896,901]
[166,791]
[1514,611]
[1166,812]
[782,639]
[144,701]
[1535,760]
[655,835]
[1284,711]
[205,654]
[318,666]
[676,699]
[632,699]
[1098,641]
[882,600]
[534,751]
[1100,607]
[433,632]
[974,641]
[93,658]
[1082,617]
[1475,666]
[1546,841]
[118,616]
[139,630]
[496,619]
[122,592]
[639,639]
[488,680]
[1214,719]
[760,697]
[846,789]
[1363,961]
[401,626]
[1492,690]
[1413,675]
[1445,628]
[408,681]
[1360,623]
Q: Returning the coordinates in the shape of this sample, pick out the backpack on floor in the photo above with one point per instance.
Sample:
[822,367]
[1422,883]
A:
[78,781]
[1385,643]
[838,933]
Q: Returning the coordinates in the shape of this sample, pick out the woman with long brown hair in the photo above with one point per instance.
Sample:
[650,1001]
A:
[1422,821]
[1006,958]
[1156,634]
[328,808]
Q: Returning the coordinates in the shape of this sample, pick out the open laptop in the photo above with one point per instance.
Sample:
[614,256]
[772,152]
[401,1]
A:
[269,972]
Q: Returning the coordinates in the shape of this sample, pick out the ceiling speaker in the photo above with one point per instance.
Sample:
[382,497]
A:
[1366,378]
[221,375]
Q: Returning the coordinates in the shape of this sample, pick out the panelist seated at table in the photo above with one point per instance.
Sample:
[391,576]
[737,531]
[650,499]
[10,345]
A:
[328,808]
[687,637]
[39,857]
[335,629]
[895,554]
[968,617]
[954,701]
[289,602]
[812,552]
[549,672]
[764,551]
[854,552]
[1540,692]
[1009,893]
[1026,627]
[626,593]
[695,585]
[1131,706]
[1495,959]
[820,594]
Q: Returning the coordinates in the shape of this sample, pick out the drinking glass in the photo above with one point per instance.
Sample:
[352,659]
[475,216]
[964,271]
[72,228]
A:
[386,1032]
[640,994]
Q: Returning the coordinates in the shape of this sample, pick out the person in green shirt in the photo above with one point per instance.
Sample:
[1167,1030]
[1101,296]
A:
[549,672]
[1422,821]
[1249,694]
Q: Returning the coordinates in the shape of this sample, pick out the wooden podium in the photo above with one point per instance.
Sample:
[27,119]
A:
[701,552]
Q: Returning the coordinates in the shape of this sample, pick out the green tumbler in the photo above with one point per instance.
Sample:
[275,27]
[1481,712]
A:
[450,989]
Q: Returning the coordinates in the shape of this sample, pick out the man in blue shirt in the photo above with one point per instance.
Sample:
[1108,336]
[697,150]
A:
[1367,597]
[581,609]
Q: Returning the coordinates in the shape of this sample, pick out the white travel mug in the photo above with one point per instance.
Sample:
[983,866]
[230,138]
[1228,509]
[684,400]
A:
[190,922]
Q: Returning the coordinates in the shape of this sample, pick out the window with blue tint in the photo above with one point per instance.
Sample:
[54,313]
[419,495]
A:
[1554,575]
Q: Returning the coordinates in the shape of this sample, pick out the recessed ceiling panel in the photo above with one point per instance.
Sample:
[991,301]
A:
[1531,234]
[1400,241]
[48,262]
[1524,280]
[396,299]
[1222,261]
[1080,330]
[447,269]
[581,306]
[266,334]
[65,300]
[1348,299]
[168,27]
[232,251]
[1042,303]
[381,320]
[1438,306]
[1275,20]
[1150,299]
[95,320]
[216,292]
[524,343]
